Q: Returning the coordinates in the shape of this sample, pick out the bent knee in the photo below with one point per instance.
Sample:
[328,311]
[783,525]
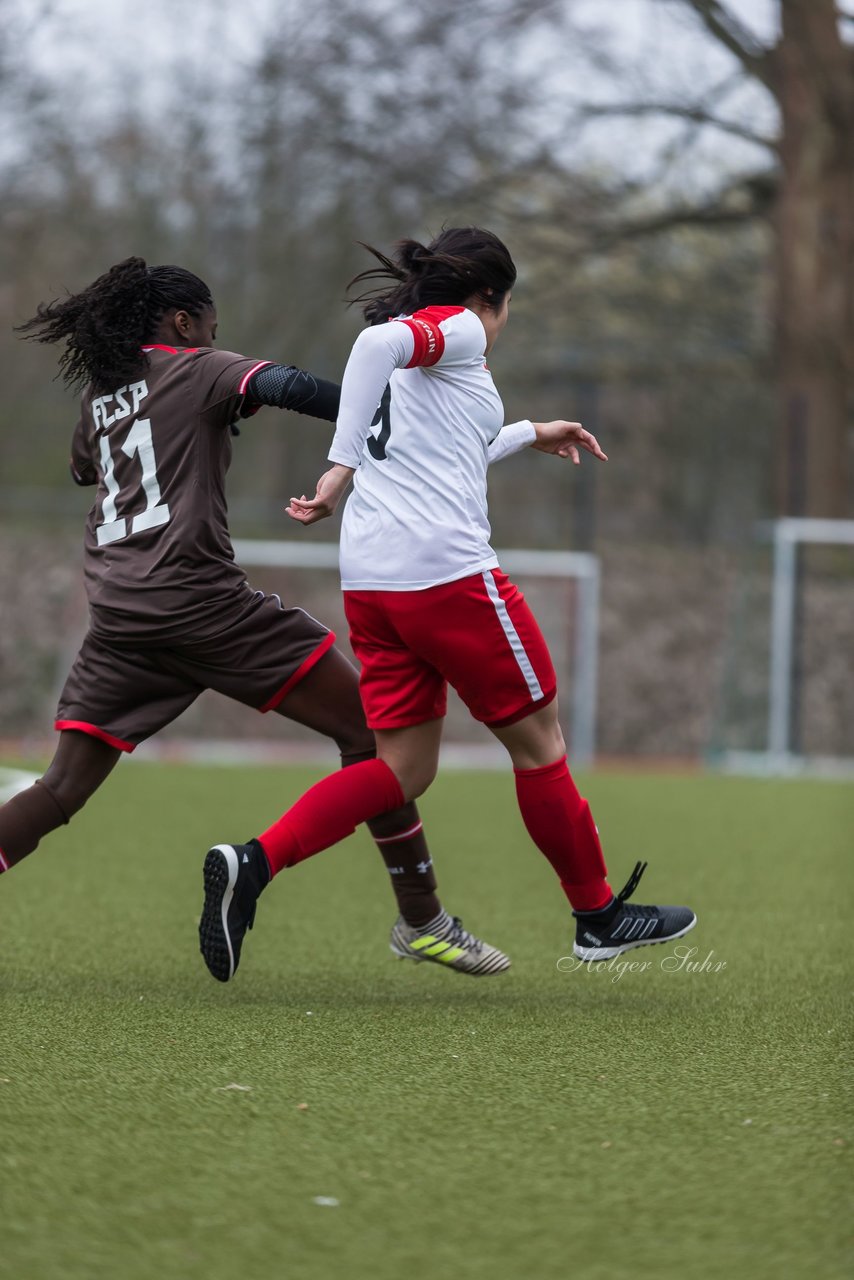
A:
[77,770]
[535,741]
[67,793]
[420,783]
[554,742]
[71,787]
[414,778]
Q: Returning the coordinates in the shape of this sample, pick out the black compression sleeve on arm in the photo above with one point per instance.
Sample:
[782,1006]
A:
[285,387]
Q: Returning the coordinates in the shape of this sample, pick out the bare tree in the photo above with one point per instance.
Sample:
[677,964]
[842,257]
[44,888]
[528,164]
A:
[374,121]
[805,193]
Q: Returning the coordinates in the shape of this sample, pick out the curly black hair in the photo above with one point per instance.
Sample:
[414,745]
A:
[105,325]
[461,263]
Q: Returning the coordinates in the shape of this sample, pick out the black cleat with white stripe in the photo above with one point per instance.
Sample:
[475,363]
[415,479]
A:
[234,875]
[622,925]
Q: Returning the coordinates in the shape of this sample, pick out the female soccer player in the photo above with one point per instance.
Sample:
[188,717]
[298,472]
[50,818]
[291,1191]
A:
[427,602]
[171,613]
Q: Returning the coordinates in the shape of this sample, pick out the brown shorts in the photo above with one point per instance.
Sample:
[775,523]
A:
[124,693]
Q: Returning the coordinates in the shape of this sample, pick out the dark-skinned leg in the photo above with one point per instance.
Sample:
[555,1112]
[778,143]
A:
[327,700]
[80,765]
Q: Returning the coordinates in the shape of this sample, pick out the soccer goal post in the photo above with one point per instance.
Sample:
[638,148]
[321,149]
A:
[580,567]
[789,535]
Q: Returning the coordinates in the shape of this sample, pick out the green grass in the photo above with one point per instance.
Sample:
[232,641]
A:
[540,1124]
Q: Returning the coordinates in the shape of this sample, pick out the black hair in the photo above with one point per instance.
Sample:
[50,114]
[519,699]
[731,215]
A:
[461,263]
[105,325]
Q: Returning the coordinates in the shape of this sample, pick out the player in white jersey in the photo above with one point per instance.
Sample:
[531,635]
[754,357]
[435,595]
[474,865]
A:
[419,421]
[418,513]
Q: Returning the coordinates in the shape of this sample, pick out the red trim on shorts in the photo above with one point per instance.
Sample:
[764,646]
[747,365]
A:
[4,865]
[94,732]
[527,710]
[325,645]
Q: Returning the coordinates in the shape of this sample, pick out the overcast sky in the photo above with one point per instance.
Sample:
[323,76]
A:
[73,35]
[122,46]
[75,28]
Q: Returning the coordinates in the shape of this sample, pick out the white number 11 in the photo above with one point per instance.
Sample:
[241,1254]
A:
[114,527]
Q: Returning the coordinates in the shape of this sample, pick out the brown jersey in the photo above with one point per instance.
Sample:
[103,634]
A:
[158,556]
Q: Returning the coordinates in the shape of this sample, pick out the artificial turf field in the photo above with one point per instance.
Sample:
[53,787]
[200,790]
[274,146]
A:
[544,1124]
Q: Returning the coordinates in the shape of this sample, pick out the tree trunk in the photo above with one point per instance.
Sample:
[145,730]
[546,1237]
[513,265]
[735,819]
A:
[814,85]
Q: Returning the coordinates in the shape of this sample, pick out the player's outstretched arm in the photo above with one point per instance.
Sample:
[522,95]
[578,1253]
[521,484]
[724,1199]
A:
[565,439]
[284,387]
[512,438]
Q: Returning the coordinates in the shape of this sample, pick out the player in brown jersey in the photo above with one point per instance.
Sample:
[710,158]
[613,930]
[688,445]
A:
[171,613]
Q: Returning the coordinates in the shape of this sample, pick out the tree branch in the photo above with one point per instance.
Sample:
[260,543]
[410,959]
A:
[745,200]
[697,115]
[710,215]
[731,33]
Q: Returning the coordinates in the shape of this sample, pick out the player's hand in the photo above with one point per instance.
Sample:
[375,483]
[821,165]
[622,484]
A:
[565,439]
[331,488]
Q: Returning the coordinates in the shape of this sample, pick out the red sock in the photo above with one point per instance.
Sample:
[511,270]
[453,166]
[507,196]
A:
[561,825]
[329,811]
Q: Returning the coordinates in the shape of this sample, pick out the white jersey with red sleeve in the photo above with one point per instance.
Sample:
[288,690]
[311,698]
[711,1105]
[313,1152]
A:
[420,420]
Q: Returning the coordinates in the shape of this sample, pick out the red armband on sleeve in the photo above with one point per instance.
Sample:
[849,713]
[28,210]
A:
[429,339]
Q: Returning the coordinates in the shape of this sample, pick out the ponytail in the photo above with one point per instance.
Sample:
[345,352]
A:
[460,264]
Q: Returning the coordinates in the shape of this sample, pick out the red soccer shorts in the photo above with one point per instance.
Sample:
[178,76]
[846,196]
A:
[476,634]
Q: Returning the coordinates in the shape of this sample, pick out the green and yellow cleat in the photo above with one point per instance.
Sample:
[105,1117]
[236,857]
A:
[445,941]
